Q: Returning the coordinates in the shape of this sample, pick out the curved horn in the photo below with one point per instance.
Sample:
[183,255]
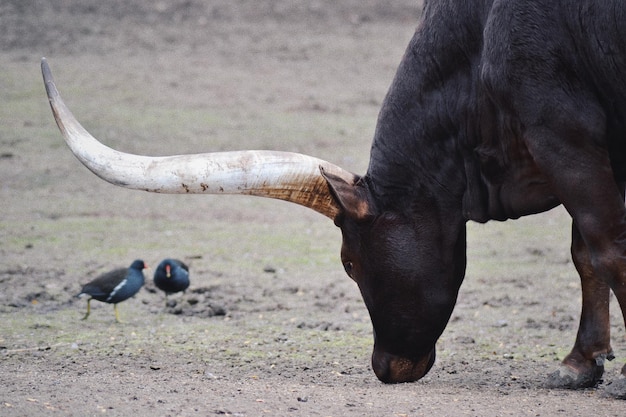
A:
[282,175]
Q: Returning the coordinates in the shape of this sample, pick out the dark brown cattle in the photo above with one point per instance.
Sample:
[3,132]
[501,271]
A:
[499,109]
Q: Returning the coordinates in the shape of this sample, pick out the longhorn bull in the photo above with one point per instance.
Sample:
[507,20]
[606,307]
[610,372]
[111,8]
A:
[499,109]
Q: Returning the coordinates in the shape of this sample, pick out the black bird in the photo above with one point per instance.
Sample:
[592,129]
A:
[115,286]
[171,276]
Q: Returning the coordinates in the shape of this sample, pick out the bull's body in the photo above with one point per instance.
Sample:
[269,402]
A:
[499,109]
[475,76]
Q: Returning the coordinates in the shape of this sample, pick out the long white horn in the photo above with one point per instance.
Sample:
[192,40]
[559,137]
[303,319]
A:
[283,175]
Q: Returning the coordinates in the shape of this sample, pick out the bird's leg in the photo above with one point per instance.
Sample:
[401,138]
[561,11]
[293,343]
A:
[117,316]
[88,309]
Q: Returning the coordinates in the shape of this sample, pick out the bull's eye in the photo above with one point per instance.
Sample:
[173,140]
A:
[348,266]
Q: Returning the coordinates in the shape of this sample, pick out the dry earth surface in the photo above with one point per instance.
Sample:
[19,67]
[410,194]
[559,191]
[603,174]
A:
[270,324]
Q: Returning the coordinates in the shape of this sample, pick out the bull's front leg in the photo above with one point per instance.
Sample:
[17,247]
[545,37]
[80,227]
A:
[617,388]
[582,177]
[574,142]
[584,365]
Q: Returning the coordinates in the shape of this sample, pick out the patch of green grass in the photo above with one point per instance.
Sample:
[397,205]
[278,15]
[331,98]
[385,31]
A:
[62,333]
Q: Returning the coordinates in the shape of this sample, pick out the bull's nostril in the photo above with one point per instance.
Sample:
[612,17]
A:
[380,365]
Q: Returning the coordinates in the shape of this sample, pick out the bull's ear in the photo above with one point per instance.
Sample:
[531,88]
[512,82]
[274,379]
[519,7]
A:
[354,198]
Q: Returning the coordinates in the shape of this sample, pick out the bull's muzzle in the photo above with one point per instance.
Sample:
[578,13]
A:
[392,369]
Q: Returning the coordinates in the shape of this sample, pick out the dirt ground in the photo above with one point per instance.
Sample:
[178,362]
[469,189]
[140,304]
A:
[270,324]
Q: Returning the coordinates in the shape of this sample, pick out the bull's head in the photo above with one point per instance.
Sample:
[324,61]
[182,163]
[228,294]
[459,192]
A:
[397,256]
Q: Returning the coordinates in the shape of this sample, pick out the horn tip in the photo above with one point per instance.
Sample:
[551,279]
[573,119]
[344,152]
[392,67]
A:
[47,78]
[45,68]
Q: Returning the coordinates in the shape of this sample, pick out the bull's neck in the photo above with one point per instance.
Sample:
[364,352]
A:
[405,164]
[420,144]
[437,135]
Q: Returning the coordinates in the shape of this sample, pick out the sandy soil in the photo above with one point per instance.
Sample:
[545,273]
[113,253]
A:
[270,324]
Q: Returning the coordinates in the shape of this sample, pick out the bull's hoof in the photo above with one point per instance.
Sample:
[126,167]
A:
[617,388]
[578,373]
[567,377]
